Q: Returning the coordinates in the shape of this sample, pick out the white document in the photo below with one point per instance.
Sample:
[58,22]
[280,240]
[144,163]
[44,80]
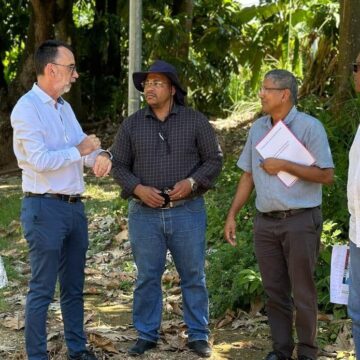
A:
[339,275]
[3,277]
[281,143]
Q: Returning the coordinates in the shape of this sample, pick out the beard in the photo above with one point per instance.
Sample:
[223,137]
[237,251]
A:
[66,88]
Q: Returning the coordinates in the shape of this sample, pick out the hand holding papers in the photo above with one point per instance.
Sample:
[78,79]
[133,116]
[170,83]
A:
[281,143]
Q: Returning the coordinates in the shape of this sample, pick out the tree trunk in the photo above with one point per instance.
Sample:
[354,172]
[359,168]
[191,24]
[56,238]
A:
[114,57]
[186,7]
[65,31]
[3,84]
[40,29]
[349,47]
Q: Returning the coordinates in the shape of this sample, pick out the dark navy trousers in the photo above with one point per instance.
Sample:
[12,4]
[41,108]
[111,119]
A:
[56,232]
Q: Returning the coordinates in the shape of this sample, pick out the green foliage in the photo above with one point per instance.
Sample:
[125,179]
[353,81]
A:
[218,202]
[14,17]
[331,235]
[126,286]
[102,53]
[233,277]
[84,13]
[223,42]
[4,305]
[10,60]
[206,57]
[340,133]
[9,206]
[10,231]
[9,211]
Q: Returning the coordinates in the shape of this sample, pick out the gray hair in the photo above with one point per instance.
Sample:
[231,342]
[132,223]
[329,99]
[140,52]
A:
[284,79]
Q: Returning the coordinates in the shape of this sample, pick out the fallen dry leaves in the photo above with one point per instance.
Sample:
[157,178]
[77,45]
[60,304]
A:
[14,321]
[110,277]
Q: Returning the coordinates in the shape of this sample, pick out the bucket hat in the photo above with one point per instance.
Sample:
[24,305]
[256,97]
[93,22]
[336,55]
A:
[162,67]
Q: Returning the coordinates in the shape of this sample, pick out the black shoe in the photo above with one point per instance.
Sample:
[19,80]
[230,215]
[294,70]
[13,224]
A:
[140,347]
[304,357]
[201,347]
[83,355]
[274,355]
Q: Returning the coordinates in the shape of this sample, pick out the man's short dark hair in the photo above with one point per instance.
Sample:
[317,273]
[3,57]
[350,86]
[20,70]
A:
[284,79]
[47,53]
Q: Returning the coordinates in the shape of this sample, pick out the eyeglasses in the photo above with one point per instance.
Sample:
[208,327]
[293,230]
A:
[267,89]
[71,67]
[355,67]
[155,83]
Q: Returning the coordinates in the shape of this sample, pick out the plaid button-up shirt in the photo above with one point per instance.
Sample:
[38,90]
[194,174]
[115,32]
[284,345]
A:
[158,153]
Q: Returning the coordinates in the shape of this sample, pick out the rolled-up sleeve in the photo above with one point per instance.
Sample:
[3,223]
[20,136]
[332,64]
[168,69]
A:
[245,159]
[318,146]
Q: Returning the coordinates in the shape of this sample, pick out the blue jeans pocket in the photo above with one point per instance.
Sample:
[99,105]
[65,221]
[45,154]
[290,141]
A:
[133,207]
[30,214]
[195,206]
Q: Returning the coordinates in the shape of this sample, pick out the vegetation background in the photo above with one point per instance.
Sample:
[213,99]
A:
[221,50]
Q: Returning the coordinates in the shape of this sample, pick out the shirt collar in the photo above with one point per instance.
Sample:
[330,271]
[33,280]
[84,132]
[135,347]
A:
[150,113]
[288,118]
[44,97]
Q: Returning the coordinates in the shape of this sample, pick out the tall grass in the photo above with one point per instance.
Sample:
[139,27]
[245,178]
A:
[10,202]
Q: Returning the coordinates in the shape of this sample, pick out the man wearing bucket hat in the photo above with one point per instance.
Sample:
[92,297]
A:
[166,157]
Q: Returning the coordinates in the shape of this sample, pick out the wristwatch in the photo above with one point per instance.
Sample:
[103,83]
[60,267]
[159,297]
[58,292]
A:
[108,152]
[193,184]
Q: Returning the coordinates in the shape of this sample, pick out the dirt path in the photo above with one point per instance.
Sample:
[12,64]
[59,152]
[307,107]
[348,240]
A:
[110,333]
[110,276]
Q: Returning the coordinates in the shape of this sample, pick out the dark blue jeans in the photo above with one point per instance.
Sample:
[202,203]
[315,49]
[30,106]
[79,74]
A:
[182,231]
[56,232]
[354,295]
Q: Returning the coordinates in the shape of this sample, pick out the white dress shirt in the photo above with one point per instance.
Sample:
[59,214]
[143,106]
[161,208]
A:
[353,190]
[45,135]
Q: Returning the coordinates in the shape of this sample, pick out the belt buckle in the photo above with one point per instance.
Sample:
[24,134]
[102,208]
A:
[167,205]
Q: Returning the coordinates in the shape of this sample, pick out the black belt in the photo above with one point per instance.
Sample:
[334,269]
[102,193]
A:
[63,197]
[169,205]
[285,213]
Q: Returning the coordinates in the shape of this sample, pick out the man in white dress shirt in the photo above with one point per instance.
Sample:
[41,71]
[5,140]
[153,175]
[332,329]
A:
[353,191]
[51,150]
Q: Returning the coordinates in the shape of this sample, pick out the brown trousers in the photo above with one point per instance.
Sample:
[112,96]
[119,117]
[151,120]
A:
[287,251]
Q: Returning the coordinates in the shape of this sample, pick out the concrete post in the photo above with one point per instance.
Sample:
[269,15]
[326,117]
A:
[135,46]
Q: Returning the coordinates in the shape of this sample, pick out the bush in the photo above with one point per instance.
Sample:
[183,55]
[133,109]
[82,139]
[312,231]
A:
[233,276]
